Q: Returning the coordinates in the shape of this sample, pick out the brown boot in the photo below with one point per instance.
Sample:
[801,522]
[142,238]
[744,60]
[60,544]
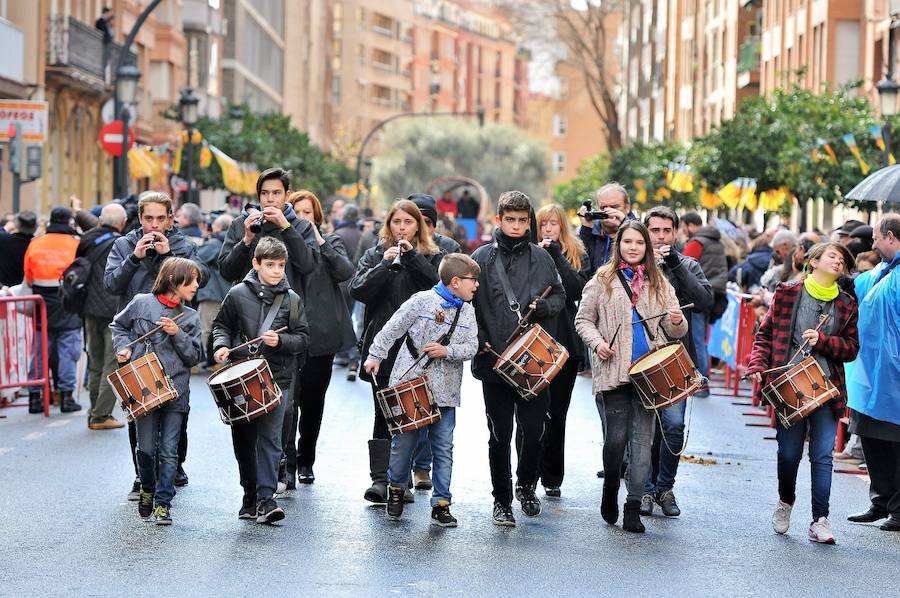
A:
[110,423]
[421,480]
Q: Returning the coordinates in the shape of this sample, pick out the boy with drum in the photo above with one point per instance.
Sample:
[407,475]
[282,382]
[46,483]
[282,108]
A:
[441,333]
[256,308]
[178,347]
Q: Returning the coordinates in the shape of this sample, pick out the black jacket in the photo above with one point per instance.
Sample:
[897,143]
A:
[447,244]
[573,282]
[243,312]
[530,270]
[383,292]
[95,245]
[330,328]
[208,255]
[12,248]
[691,286]
[713,260]
[350,233]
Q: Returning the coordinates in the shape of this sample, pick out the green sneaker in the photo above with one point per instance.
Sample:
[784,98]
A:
[145,503]
[161,515]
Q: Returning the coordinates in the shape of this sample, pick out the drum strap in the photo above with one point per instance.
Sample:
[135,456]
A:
[270,316]
[627,287]
[507,288]
[444,340]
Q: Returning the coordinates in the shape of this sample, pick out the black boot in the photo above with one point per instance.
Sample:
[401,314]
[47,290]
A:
[67,403]
[379,457]
[35,402]
[609,505]
[631,521]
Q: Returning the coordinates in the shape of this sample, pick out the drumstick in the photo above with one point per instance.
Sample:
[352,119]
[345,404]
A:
[255,340]
[522,323]
[682,307]
[822,319]
[152,332]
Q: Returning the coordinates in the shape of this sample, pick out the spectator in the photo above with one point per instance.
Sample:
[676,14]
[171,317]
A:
[46,258]
[350,233]
[211,296]
[105,23]
[860,240]
[748,273]
[13,246]
[99,311]
[867,261]
[843,233]
[428,207]
[347,228]
[189,218]
[336,213]
[467,206]
[783,244]
[598,235]
[446,205]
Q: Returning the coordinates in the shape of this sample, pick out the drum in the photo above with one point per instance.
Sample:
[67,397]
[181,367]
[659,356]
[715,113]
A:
[142,386]
[244,390]
[530,362]
[408,406]
[665,376]
[799,391]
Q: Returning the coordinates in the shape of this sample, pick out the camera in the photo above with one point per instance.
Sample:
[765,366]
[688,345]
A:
[257,226]
[591,214]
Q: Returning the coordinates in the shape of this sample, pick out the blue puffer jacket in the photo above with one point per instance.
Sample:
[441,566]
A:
[752,269]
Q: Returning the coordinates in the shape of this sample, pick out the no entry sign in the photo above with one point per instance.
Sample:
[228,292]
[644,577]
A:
[111,138]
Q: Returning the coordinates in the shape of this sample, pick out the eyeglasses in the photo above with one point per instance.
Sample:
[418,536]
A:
[468,277]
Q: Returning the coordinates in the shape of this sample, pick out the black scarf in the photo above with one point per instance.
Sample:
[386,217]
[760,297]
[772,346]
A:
[509,244]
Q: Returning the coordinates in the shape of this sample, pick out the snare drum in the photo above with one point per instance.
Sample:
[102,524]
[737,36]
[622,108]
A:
[244,390]
[799,391]
[142,386]
[408,406]
[531,362]
[665,376]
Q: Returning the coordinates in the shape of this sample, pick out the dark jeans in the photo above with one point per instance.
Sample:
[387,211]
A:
[504,407]
[553,457]
[627,424]
[257,448]
[379,428]
[306,412]
[664,463]
[821,426]
[182,442]
[883,461]
[157,453]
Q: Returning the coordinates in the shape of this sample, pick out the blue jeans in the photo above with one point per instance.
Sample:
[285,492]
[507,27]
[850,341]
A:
[422,460]
[821,426]
[664,464]
[698,332]
[67,346]
[440,437]
[157,442]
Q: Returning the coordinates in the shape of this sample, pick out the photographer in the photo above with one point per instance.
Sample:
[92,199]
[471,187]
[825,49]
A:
[600,225]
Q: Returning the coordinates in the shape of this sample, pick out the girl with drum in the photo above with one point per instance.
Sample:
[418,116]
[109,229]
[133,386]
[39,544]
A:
[790,327]
[628,288]
[405,261]
[574,268]
[330,331]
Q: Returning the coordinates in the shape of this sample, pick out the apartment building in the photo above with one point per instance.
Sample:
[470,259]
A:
[253,66]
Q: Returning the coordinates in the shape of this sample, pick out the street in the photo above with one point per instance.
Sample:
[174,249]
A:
[68,529]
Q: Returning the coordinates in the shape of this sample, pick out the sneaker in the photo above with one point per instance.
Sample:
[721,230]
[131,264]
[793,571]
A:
[503,515]
[268,511]
[248,507]
[145,503]
[820,531]
[647,503]
[781,518]
[666,501]
[847,459]
[161,515]
[305,475]
[702,392]
[421,479]
[394,508]
[553,491]
[135,493]
[181,478]
[108,423]
[352,369]
[531,504]
[440,515]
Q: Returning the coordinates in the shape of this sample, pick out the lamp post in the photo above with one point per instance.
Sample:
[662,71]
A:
[189,116]
[127,76]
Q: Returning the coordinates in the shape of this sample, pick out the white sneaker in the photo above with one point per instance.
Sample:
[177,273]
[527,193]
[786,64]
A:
[781,518]
[820,531]
[280,488]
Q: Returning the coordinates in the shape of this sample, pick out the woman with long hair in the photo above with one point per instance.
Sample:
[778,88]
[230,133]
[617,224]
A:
[330,331]
[568,253]
[790,322]
[630,286]
[382,288]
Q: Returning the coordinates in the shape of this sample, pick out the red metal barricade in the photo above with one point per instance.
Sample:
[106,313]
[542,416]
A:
[23,321]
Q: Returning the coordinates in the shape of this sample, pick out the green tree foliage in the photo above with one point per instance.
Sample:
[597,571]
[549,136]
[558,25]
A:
[269,140]
[592,174]
[647,162]
[414,152]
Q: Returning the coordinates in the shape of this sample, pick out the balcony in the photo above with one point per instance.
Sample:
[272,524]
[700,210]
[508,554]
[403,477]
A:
[198,15]
[748,55]
[75,51]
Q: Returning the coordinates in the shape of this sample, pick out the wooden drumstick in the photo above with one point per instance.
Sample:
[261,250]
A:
[616,333]
[256,340]
[822,319]
[152,332]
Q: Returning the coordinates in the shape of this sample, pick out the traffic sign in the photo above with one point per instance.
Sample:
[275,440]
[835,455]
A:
[111,138]
[29,117]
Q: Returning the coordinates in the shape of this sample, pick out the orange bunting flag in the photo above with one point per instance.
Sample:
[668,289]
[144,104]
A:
[850,140]
[641,188]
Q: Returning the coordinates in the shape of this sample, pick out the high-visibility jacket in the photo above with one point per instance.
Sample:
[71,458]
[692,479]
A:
[47,257]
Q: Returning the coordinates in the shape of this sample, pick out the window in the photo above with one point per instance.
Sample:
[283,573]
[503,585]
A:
[560,126]
[336,52]
[264,57]
[361,54]
[161,80]
[336,90]
[559,163]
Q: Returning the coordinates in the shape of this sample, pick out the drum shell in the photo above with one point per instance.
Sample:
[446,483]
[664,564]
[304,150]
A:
[398,404]
[245,398]
[667,383]
[142,386]
[799,391]
[539,359]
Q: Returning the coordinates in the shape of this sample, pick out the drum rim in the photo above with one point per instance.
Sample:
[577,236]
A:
[209,380]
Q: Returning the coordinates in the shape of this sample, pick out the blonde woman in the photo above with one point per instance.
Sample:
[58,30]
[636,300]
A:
[555,235]
[627,288]
[383,289]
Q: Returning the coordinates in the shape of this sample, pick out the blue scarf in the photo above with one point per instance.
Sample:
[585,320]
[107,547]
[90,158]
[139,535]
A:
[445,293]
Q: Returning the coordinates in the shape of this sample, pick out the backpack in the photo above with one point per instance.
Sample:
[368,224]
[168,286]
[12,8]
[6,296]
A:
[73,285]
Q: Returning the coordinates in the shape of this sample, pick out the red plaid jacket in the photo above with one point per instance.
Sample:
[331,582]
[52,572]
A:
[772,345]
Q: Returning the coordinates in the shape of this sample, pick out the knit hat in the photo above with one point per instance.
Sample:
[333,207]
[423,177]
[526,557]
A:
[426,205]
[60,215]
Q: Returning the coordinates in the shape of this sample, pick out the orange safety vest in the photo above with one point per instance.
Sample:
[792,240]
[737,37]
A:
[47,257]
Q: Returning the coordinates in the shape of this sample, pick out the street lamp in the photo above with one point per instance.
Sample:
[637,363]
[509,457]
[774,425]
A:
[887,96]
[237,120]
[189,117]
[127,76]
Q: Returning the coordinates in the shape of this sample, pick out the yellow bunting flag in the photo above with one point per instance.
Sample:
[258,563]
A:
[641,188]
[205,157]
[850,140]
[231,171]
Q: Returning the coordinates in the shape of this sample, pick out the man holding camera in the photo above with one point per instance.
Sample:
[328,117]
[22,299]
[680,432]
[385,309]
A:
[599,226]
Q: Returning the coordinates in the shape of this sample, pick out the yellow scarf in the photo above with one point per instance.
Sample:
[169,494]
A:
[820,292]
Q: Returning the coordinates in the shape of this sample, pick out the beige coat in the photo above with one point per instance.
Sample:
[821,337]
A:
[600,314]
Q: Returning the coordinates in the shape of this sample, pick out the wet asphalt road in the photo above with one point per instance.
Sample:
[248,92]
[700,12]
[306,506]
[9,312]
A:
[68,529]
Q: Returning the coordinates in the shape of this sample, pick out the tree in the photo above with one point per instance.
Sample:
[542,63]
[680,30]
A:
[642,167]
[593,173]
[500,157]
[269,140]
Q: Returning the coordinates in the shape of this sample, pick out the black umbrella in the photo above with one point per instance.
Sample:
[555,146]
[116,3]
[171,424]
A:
[881,185]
